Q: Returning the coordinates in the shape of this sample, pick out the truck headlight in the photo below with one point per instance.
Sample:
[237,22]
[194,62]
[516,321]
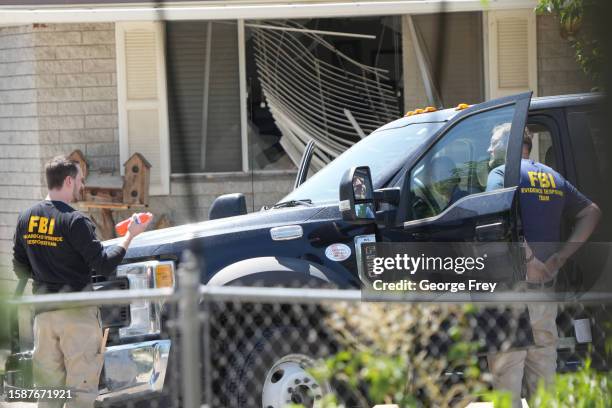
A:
[145,314]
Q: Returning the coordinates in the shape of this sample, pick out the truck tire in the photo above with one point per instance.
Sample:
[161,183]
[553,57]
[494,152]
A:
[270,369]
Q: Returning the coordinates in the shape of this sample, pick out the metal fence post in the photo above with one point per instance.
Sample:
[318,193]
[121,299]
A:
[189,282]
[207,362]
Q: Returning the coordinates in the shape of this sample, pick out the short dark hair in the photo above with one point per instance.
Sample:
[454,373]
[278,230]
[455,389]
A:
[57,169]
[528,139]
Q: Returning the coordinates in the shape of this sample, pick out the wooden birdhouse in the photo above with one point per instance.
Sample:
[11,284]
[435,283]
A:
[79,157]
[111,192]
[137,174]
[104,189]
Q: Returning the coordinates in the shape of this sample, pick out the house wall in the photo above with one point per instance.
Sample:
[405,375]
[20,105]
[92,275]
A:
[58,93]
[77,102]
[415,95]
[20,141]
[260,190]
[558,71]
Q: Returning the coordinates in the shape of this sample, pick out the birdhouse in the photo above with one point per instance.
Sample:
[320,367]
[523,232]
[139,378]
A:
[137,174]
[79,157]
[103,189]
[111,192]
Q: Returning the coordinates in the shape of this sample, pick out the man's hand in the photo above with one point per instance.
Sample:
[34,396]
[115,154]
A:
[538,272]
[555,262]
[135,228]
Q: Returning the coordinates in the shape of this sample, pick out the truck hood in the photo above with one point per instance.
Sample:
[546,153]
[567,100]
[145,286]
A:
[238,224]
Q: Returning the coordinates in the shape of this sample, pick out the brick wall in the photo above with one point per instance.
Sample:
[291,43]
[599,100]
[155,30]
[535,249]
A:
[57,94]
[77,93]
[558,71]
[20,163]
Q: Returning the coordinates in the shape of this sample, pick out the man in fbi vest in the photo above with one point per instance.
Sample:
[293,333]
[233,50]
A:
[56,246]
[546,199]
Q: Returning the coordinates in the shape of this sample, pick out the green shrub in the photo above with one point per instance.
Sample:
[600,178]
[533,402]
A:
[387,354]
[585,388]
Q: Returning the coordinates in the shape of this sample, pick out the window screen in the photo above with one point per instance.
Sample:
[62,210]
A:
[204,120]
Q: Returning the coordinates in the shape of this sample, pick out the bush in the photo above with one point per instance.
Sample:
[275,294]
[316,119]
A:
[387,357]
[410,355]
[585,388]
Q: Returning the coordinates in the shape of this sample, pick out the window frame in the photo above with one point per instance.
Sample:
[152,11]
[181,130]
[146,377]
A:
[244,128]
[551,123]
[435,144]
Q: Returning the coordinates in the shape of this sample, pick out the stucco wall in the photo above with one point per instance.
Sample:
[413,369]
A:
[558,71]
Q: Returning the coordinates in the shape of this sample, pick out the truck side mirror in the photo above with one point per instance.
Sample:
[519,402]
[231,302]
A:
[227,205]
[357,196]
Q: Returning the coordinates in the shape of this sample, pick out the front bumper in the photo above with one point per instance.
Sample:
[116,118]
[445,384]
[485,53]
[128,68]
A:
[130,370]
[135,368]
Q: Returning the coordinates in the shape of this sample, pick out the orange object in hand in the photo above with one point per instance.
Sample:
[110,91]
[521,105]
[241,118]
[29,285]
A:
[140,218]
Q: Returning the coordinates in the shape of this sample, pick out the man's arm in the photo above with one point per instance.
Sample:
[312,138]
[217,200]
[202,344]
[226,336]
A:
[103,260]
[21,263]
[134,229]
[586,222]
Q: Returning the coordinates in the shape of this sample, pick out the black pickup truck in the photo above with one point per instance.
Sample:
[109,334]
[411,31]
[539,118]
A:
[313,236]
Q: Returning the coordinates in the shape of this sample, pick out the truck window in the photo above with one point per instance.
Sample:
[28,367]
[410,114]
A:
[591,151]
[542,149]
[459,164]
[384,151]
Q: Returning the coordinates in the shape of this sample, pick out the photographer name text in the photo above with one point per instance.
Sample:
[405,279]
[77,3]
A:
[405,285]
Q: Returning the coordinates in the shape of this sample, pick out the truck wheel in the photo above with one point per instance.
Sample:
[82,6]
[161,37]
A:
[288,381]
[270,369]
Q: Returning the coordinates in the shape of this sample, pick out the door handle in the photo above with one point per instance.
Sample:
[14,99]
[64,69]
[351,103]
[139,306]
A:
[420,236]
[494,231]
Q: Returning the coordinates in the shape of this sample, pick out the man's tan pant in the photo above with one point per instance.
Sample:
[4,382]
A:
[536,363]
[67,354]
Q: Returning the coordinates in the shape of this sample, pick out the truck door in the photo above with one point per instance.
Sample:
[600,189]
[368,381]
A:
[463,186]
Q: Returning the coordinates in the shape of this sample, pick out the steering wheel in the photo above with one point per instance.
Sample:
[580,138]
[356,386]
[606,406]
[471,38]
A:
[425,198]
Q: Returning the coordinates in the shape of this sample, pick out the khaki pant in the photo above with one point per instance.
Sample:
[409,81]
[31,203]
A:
[511,369]
[67,354]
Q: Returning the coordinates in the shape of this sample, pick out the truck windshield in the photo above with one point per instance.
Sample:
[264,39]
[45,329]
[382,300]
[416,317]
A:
[384,151]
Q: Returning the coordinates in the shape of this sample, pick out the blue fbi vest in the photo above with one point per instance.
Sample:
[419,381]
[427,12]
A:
[545,199]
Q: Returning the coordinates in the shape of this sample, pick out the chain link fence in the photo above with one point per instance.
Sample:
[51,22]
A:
[274,347]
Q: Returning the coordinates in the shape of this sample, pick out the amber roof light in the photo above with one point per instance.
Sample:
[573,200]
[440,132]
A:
[420,111]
